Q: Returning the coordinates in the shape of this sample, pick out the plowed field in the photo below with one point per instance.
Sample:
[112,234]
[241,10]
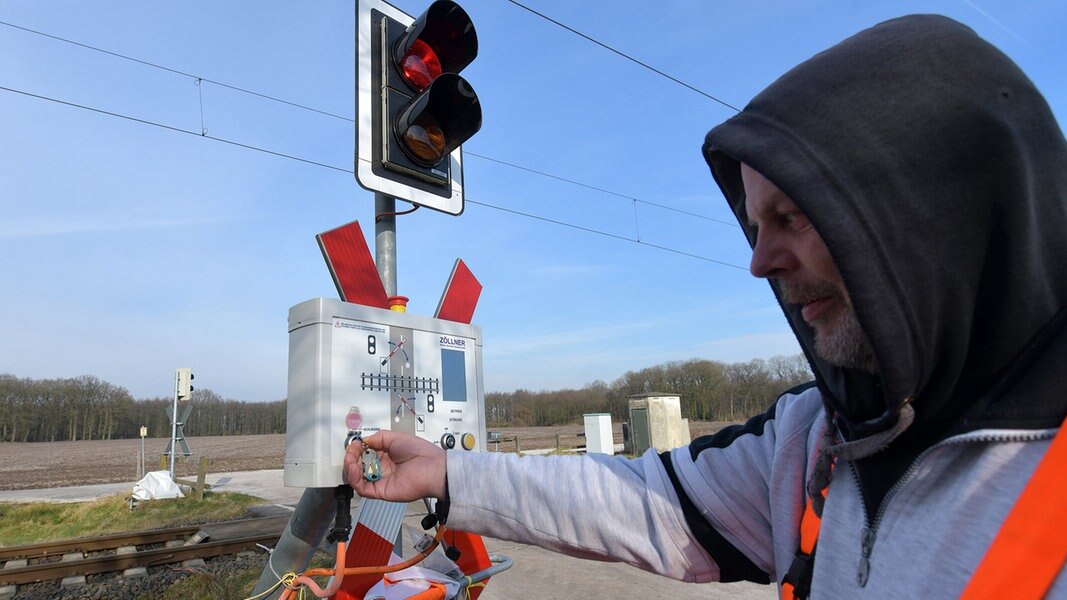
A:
[57,464]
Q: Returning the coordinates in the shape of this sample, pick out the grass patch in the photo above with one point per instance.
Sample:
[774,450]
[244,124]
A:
[235,585]
[42,522]
[231,586]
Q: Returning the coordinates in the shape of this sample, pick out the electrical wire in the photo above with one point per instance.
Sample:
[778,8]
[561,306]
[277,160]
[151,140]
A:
[177,72]
[604,233]
[378,217]
[598,189]
[199,80]
[339,572]
[173,128]
[626,56]
[351,172]
[286,580]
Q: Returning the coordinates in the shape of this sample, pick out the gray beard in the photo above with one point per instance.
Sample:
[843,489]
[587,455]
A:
[847,345]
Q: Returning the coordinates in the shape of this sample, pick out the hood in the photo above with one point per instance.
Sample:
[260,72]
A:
[937,176]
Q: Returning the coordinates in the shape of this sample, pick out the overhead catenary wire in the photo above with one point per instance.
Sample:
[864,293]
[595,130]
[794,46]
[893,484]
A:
[179,72]
[351,172]
[598,189]
[605,234]
[626,56]
[198,80]
[177,129]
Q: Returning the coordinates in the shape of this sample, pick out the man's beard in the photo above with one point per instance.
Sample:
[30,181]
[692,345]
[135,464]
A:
[839,339]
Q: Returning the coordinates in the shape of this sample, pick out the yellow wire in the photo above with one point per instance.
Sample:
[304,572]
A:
[286,579]
[466,589]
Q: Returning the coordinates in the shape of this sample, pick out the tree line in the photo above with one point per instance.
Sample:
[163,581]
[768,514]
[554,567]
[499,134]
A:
[87,408]
[709,391]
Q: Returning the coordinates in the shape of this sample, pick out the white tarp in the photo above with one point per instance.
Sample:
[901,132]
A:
[410,581]
[413,580]
[156,485]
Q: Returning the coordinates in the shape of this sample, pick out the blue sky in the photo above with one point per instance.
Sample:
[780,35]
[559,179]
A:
[127,250]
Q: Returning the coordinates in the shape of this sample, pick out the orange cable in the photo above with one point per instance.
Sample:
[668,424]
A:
[339,572]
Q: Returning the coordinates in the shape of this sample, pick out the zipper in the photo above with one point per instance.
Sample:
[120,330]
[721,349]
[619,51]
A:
[866,545]
[870,529]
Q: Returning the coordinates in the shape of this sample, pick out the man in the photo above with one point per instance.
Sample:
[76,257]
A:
[905,193]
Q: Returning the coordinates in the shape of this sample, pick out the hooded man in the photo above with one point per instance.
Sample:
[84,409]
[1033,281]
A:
[905,193]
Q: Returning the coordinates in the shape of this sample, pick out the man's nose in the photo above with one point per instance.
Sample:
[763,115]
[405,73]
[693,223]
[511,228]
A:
[770,257]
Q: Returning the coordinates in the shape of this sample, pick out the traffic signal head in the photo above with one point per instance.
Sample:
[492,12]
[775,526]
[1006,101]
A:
[441,40]
[418,108]
[183,383]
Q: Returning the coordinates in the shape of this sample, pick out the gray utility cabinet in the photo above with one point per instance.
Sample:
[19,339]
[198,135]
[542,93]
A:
[656,422]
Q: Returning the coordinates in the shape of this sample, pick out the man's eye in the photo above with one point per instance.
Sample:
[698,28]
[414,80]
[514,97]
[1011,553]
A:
[796,220]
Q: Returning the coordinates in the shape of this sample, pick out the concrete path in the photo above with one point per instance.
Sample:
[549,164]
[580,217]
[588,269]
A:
[263,484]
[537,574]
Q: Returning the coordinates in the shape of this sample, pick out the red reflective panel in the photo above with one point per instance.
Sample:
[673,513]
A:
[420,65]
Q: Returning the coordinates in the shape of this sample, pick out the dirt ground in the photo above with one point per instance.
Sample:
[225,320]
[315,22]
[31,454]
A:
[59,464]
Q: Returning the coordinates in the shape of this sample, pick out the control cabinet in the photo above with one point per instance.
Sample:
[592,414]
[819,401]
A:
[354,370]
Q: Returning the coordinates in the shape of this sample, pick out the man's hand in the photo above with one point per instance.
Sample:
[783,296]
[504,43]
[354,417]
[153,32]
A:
[412,468]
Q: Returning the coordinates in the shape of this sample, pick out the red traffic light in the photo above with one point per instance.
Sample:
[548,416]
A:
[441,40]
[420,65]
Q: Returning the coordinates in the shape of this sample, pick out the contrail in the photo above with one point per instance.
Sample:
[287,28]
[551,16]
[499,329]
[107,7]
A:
[979,10]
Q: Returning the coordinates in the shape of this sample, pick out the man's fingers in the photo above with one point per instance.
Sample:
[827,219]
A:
[378,441]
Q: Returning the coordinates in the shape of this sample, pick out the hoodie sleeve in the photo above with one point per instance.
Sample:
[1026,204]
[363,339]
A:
[594,506]
[698,513]
[742,489]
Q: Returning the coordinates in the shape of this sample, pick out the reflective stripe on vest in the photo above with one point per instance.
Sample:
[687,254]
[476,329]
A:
[1031,547]
[1028,552]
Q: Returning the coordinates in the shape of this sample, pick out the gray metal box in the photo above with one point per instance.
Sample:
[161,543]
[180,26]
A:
[396,370]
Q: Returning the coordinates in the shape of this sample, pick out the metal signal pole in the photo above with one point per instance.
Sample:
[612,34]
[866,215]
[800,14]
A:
[385,240]
[174,427]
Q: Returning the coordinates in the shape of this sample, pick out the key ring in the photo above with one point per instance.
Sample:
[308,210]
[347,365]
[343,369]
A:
[372,466]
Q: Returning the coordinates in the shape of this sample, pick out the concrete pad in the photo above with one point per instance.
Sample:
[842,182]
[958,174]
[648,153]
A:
[192,563]
[266,484]
[18,563]
[72,557]
[72,581]
[8,591]
[269,510]
[174,544]
[135,572]
[576,578]
[81,493]
[124,550]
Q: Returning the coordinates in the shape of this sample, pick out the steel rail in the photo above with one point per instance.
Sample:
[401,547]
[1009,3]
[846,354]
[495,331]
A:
[142,558]
[104,542]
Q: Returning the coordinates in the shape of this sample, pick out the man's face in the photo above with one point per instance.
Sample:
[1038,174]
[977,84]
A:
[789,250]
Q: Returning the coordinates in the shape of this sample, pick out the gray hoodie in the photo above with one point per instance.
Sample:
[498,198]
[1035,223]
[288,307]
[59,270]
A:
[937,176]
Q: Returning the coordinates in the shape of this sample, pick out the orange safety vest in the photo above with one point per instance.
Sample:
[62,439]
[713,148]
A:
[1032,539]
[796,584]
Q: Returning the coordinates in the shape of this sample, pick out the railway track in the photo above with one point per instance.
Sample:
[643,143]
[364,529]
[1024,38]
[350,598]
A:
[91,556]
